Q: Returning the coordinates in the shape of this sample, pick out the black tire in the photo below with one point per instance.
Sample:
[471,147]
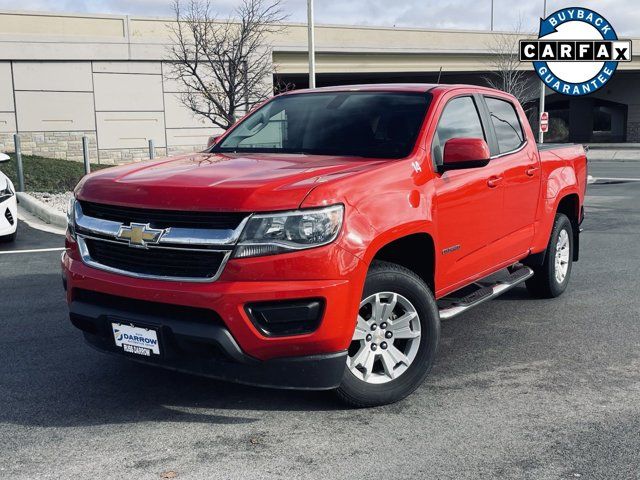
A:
[389,277]
[544,284]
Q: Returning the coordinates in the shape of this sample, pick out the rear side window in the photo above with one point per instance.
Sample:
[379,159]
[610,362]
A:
[506,124]
[459,119]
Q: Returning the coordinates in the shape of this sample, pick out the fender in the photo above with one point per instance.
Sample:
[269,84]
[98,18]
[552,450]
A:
[548,214]
[400,204]
[560,179]
[385,238]
[410,245]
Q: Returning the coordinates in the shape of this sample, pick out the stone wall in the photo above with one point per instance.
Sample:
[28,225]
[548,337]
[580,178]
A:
[68,146]
[63,145]
[633,132]
[6,143]
[128,155]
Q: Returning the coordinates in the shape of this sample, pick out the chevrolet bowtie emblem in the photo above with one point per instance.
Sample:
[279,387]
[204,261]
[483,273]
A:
[140,234]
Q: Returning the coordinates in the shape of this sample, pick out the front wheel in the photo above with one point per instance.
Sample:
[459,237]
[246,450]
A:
[551,278]
[395,339]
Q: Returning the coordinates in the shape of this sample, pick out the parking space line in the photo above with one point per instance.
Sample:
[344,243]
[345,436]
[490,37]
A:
[35,250]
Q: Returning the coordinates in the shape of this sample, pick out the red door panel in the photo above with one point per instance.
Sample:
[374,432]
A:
[521,193]
[469,210]
[468,202]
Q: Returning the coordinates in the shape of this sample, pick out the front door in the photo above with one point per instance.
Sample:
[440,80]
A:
[468,202]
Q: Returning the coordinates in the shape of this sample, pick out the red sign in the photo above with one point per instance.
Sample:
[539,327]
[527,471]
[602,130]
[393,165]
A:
[544,122]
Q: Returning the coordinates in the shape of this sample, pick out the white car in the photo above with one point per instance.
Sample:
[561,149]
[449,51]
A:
[8,206]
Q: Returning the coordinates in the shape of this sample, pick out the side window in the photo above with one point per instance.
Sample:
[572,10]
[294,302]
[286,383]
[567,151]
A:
[506,124]
[459,119]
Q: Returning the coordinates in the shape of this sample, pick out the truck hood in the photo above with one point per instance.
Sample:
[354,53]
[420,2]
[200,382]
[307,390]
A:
[218,182]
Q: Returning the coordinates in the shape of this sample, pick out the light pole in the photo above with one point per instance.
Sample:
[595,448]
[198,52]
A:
[542,87]
[492,15]
[312,47]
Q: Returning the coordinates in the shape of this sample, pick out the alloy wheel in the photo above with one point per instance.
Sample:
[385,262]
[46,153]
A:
[386,338]
[563,247]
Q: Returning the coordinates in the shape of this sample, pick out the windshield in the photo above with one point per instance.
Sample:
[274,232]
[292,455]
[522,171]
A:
[363,124]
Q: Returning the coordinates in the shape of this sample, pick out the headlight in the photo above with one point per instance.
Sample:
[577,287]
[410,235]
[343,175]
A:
[267,234]
[71,217]
[6,193]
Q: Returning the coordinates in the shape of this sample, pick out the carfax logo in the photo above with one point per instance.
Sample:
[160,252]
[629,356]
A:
[577,51]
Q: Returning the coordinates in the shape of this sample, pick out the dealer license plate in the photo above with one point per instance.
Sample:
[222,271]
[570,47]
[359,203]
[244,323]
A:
[136,340]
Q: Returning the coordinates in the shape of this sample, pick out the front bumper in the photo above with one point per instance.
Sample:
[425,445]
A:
[209,350]
[225,343]
[8,216]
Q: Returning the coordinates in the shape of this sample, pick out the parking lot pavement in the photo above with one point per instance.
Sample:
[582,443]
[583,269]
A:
[607,169]
[522,388]
[30,238]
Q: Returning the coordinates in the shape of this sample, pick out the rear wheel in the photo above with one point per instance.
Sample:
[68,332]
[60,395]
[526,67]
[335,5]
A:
[395,339]
[552,277]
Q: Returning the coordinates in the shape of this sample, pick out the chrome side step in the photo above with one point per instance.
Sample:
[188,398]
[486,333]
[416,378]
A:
[455,306]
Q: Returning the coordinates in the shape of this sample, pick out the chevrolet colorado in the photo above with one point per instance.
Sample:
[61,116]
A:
[319,242]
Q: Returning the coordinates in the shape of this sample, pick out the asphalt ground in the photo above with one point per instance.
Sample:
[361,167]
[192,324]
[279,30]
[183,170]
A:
[621,169]
[522,388]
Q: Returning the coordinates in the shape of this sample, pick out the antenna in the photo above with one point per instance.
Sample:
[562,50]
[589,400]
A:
[439,75]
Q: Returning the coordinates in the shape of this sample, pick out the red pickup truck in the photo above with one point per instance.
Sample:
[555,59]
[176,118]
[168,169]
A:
[319,243]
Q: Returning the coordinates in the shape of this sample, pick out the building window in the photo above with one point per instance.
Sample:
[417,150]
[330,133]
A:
[601,120]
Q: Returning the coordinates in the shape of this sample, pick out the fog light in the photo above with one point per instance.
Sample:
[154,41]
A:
[289,317]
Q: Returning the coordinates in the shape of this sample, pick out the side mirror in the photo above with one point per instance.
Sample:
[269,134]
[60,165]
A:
[213,140]
[4,157]
[465,153]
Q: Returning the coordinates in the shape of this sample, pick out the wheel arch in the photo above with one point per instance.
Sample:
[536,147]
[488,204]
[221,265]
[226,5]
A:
[569,205]
[413,250]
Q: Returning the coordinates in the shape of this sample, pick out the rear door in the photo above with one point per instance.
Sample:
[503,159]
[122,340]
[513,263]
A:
[519,164]
[468,201]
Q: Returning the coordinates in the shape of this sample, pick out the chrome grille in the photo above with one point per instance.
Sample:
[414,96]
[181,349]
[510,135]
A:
[163,218]
[160,262]
[189,248]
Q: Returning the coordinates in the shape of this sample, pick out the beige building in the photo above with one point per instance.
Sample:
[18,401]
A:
[103,76]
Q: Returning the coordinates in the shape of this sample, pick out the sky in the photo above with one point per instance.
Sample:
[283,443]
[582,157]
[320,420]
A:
[624,15]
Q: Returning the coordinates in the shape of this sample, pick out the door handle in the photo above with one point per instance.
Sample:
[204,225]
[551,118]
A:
[531,171]
[493,182]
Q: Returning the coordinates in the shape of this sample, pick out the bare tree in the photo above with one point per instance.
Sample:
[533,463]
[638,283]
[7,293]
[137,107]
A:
[280,85]
[507,73]
[223,66]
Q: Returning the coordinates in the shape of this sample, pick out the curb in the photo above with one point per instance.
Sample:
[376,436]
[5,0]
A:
[622,160]
[41,210]
[614,146]
[612,156]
